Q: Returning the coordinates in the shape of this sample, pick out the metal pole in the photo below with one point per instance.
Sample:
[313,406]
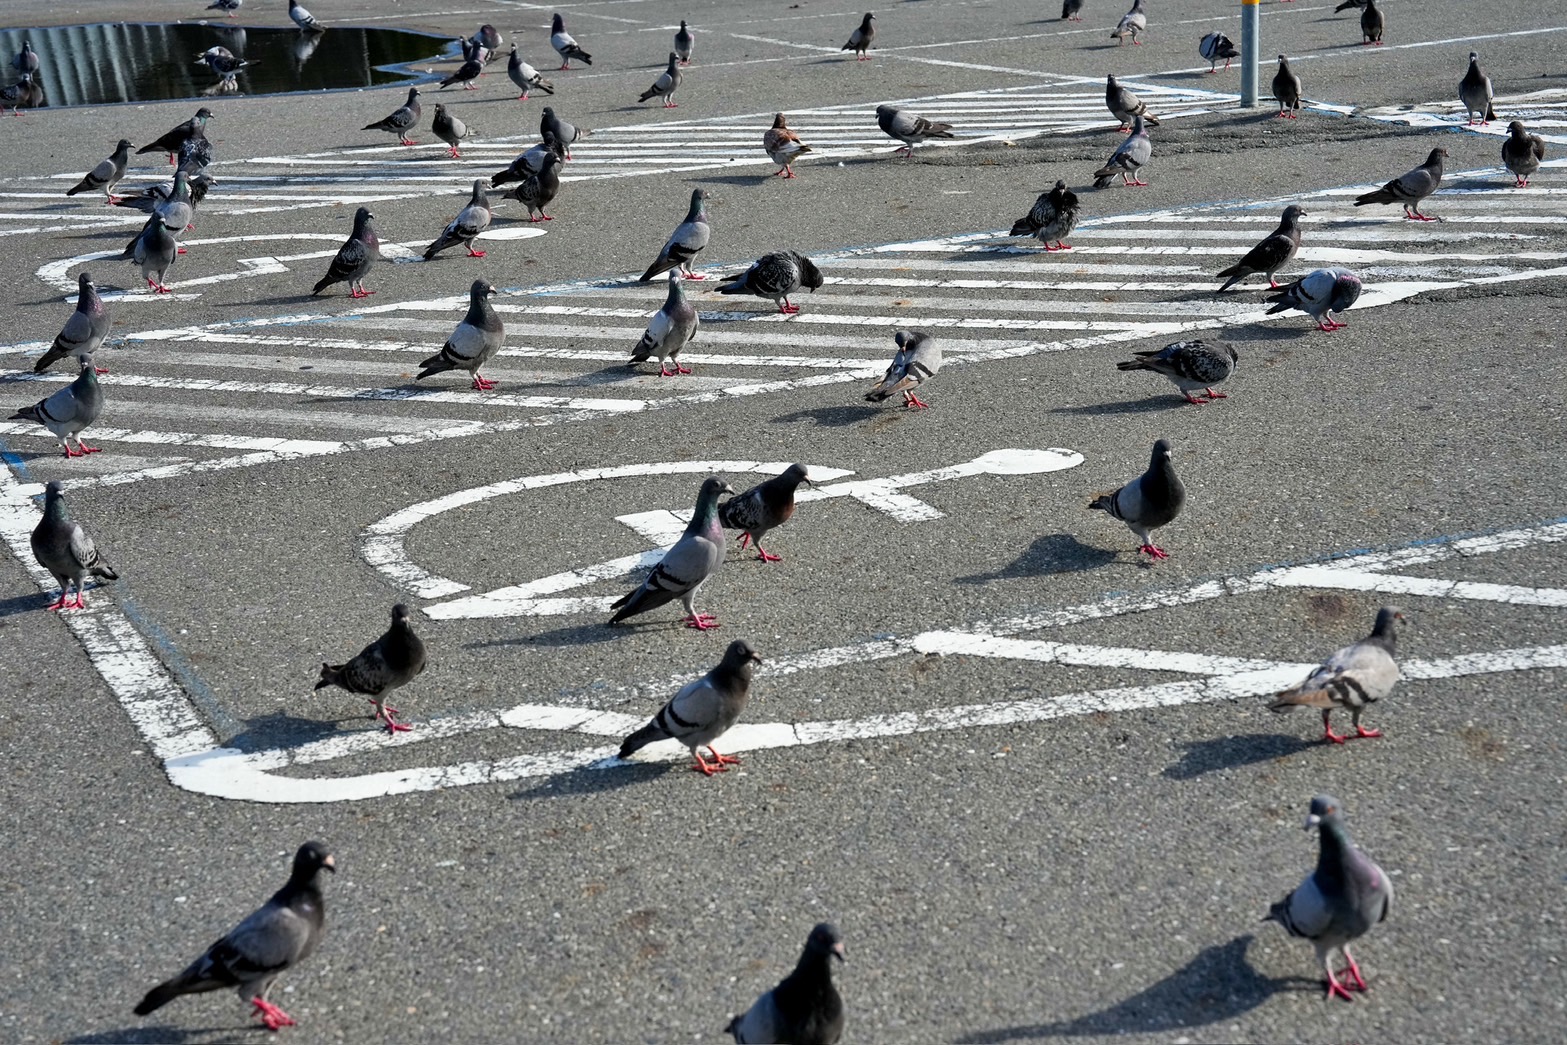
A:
[1251,45]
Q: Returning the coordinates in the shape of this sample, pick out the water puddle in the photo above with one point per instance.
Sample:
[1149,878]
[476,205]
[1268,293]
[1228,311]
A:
[111,62]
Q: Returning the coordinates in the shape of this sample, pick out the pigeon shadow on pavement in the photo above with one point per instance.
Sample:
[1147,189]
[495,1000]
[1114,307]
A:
[1163,401]
[152,1034]
[1217,984]
[1206,756]
[1050,553]
[744,179]
[23,603]
[280,729]
[592,780]
[830,416]
[570,635]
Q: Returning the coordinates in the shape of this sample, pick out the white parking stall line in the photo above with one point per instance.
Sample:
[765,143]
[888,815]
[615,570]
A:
[1544,112]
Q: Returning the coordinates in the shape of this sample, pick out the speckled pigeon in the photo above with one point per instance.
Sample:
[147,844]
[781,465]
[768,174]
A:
[1189,365]
[776,276]
[1052,217]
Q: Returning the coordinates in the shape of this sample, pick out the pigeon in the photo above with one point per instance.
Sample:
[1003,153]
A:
[390,662]
[83,332]
[765,506]
[1272,254]
[1319,294]
[70,410]
[530,162]
[26,60]
[564,132]
[1189,365]
[1215,46]
[525,76]
[860,39]
[477,338]
[1359,674]
[172,206]
[1286,88]
[63,548]
[687,241]
[1474,90]
[683,42]
[304,19]
[917,360]
[1132,23]
[465,227]
[702,711]
[783,145]
[1129,158]
[354,258]
[195,156]
[403,119]
[108,173]
[469,70]
[1148,502]
[537,191]
[1409,189]
[667,84]
[909,128]
[685,567]
[1070,10]
[565,45]
[195,127]
[18,96]
[153,251]
[231,6]
[1124,105]
[36,96]
[154,199]
[805,1007]
[449,129]
[1522,153]
[1371,24]
[1339,902]
[279,935]
[1052,217]
[776,276]
[489,38]
[1347,4]
[223,62]
[672,327]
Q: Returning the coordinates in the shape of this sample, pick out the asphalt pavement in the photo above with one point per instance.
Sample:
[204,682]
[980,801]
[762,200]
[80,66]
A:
[1030,777]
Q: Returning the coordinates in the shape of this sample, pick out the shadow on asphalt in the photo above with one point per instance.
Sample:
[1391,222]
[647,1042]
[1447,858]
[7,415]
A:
[1218,984]
[570,635]
[1168,401]
[582,782]
[1206,756]
[281,729]
[164,1033]
[1050,553]
[830,416]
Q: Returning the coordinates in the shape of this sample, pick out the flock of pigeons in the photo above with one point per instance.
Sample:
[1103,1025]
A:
[1340,901]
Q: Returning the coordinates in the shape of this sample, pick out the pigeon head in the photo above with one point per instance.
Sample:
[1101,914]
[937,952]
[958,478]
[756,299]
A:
[482,288]
[903,338]
[557,24]
[55,490]
[673,57]
[84,282]
[399,614]
[682,23]
[1283,60]
[1516,129]
[413,92]
[361,216]
[84,364]
[712,486]
[797,474]
[1386,617]
[203,114]
[1474,57]
[739,654]
[825,939]
[1325,809]
[810,275]
[1162,451]
[1437,156]
[869,17]
[778,122]
[1293,213]
[311,859]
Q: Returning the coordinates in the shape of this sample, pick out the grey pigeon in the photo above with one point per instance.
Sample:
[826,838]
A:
[776,276]
[685,243]
[687,565]
[805,1007]
[530,162]
[1319,294]
[1052,217]
[489,38]
[1132,23]
[860,39]
[63,548]
[1215,46]
[683,43]
[303,18]
[1272,254]
[83,332]
[565,133]
[1338,902]
[154,199]
[1474,90]
[354,258]
[1189,365]
[909,128]
[1286,88]
[449,129]
[917,360]
[1409,189]
[26,60]
[539,190]
[106,175]
[195,127]
[475,341]
[667,84]
[783,145]
[470,70]
[279,935]
[1124,105]
[231,6]
[672,327]
[69,411]
[1371,24]
[1148,502]
[402,120]
[565,45]
[465,227]
[173,208]
[223,62]
[703,710]
[390,662]
[1129,158]
[1522,153]
[1070,9]
[525,76]
[765,506]
[1359,674]
[153,251]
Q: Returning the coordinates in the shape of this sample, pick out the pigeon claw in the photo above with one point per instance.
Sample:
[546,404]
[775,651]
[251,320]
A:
[1353,970]
[1335,987]
[62,603]
[483,384]
[1196,400]
[475,253]
[1216,395]
[1332,737]
[1362,733]
[702,621]
[1058,247]
[788,309]
[914,402]
[453,153]
[1154,550]
[671,105]
[272,1017]
[768,556]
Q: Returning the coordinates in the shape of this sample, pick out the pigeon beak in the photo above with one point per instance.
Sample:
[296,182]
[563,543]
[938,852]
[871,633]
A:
[726,488]
[1311,821]
[330,863]
[837,952]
